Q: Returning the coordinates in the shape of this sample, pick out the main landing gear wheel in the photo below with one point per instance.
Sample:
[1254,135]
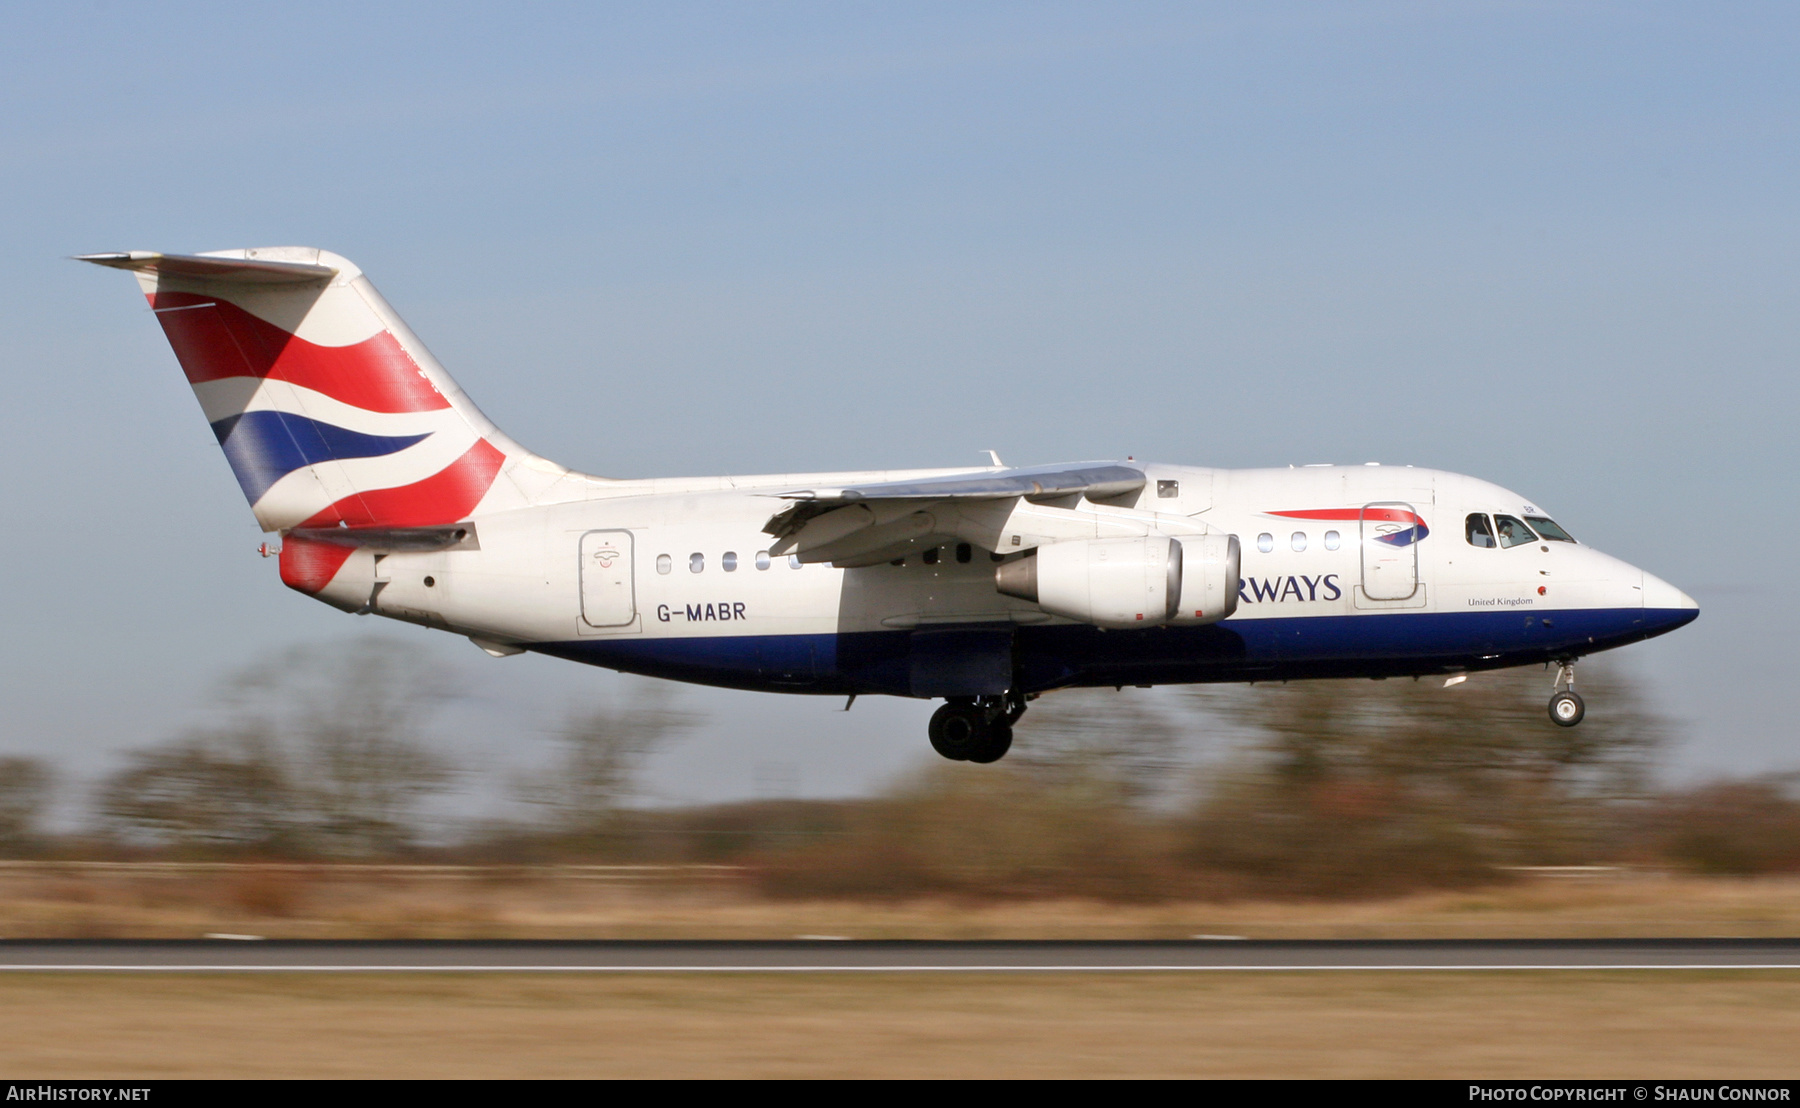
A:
[994,744]
[957,730]
[1566,708]
[967,730]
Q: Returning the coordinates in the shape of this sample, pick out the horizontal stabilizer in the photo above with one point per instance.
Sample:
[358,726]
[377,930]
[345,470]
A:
[456,536]
[208,268]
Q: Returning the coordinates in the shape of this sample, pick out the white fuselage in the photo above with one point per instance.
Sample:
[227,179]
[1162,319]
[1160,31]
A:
[694,593]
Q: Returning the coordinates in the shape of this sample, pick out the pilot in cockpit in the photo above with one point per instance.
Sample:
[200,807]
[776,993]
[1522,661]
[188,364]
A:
[1512,532]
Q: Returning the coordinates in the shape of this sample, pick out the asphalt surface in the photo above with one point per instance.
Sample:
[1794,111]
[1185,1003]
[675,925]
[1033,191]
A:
[246,954]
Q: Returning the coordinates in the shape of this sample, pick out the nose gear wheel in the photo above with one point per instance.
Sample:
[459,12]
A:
[1566,709]
[1566,705]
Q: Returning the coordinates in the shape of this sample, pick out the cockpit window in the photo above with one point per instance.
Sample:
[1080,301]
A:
[1513,532]
[1480,534]
[1547,529]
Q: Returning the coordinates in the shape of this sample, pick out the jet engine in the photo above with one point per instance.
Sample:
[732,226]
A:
[1210,566]
[1129,582]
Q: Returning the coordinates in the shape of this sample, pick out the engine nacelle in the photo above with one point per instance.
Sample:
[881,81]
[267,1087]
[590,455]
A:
[1106,582]
[1210,567]
[1120,583]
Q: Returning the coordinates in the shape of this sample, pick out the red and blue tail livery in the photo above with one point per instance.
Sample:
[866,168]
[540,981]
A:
[329,411]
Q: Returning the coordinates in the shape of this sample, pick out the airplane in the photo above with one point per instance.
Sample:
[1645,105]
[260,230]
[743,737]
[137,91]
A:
[984,587]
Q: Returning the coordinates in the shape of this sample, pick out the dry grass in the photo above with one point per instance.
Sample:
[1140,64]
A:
[325,902]
[1576,1024]
[1538,1025]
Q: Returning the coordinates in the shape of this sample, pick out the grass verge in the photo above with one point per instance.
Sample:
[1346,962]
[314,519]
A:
[328,902]
[1495,1025]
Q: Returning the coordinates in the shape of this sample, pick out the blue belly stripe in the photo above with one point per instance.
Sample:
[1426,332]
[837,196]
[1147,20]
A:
[1390,644]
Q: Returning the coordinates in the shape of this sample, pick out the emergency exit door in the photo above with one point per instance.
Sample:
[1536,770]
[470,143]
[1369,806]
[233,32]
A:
[608,593]
[1390,536]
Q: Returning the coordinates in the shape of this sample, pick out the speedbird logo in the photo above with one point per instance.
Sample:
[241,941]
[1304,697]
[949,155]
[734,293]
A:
[1392,525]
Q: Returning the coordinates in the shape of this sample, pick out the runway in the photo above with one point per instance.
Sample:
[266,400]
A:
[246,955]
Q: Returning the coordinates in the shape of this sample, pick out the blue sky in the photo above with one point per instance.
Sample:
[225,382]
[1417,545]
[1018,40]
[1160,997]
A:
[1552,245]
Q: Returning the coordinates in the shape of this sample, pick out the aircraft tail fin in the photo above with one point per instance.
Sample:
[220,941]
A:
[330,410]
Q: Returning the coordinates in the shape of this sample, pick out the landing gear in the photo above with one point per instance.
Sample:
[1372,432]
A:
[1566,709]
[956,730]
[1566,706]
[969,730]
[994,744]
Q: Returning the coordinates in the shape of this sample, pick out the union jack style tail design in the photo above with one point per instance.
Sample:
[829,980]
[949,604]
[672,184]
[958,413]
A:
[330,411]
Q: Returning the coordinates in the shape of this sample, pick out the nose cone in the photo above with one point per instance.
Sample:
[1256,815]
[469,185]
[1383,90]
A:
[1665,606]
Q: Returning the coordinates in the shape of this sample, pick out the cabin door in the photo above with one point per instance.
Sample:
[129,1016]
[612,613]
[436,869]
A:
[1391,532]
[608,595]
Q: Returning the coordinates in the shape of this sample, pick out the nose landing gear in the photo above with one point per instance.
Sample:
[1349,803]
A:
[967,729]
[1566,706]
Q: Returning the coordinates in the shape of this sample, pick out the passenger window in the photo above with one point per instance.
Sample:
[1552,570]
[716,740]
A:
[1332,540]
[696,563]
[1265,542]
[1168,490]
[762,559]
[930,557]
[964,552]
[1478,531]
[1299,541]
[1548,530]
[664,563]
[1513,532]
[728,562]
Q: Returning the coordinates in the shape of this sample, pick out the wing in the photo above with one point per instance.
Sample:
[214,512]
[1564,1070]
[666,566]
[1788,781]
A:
[868,524]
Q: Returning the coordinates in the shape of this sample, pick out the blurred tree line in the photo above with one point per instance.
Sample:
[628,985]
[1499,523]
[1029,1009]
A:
[1330,788]
[313,752]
